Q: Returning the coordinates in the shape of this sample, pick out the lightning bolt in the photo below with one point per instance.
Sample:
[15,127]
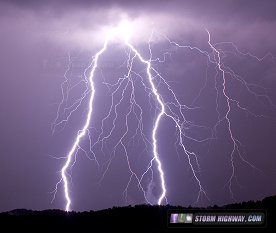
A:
[173,110]
[84,130]
[157,121]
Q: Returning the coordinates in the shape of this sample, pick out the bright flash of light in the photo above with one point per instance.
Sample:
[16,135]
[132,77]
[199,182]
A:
[174,110]
[122,32]
[83,131]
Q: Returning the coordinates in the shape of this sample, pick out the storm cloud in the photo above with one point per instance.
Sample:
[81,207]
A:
[35,40]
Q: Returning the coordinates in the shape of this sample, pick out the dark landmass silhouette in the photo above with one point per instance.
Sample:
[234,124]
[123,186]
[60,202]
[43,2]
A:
[140,218]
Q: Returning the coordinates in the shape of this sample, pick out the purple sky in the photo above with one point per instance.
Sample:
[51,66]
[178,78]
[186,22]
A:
[35,40]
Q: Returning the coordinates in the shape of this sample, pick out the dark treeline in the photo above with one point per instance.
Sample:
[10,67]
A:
[141,218]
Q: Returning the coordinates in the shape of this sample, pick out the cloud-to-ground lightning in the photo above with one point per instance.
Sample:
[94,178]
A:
[83,131]
[157,121]
[170,108]
[122,30]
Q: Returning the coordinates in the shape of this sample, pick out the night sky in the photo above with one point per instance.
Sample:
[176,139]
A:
[44,43]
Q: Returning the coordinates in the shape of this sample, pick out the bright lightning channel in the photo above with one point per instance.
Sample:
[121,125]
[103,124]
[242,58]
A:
[172,110]
[161,113]
[123,31]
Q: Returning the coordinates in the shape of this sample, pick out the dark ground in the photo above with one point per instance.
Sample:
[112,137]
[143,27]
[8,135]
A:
[142,218]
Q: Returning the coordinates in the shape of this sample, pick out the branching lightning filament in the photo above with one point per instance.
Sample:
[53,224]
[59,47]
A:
[166,107]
